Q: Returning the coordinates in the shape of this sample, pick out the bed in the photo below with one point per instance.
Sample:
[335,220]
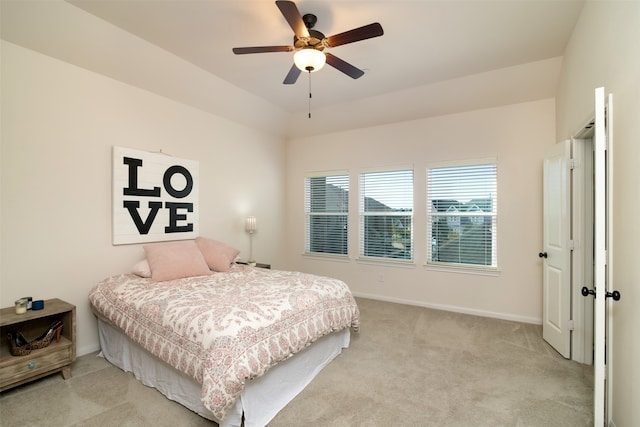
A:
[233,346]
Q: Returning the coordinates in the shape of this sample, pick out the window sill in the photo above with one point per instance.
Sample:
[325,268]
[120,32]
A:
[386,261]
[326,257]
[464,269]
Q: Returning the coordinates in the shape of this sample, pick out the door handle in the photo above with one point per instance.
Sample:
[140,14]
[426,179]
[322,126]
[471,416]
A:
[586,292]
[615,295]
[542,254]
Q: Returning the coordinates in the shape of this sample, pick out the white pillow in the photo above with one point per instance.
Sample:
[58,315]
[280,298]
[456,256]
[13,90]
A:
[142,269]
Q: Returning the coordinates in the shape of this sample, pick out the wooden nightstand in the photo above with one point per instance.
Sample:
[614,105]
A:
[258,264]
[57,357]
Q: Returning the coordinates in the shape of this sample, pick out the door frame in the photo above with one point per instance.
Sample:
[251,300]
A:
[582,234]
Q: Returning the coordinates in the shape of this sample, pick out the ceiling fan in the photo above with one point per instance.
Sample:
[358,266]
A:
[309,44]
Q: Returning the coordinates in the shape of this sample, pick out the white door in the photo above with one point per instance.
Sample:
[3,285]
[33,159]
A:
[556,253]
[600,256]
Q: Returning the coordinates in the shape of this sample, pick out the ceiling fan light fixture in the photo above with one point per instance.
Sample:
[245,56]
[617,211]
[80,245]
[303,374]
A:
[309,59]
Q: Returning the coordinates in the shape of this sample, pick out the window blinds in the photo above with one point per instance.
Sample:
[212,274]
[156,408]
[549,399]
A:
[326,210]
[462,214]
[386,214]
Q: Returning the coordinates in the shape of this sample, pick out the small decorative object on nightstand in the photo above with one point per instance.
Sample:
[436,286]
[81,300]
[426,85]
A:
[254,264]
[50,334]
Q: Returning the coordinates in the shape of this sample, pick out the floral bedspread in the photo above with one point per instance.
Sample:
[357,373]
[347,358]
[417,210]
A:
[226,328]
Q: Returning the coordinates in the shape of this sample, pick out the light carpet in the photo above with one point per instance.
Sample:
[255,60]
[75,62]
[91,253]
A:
[408,366]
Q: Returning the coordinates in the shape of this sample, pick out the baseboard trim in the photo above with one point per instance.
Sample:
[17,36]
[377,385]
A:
[453,308]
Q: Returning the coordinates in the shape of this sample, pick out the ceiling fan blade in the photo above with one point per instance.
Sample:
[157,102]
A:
[357,34]
[261,49]
[292,76]
[292,15]
[344,66]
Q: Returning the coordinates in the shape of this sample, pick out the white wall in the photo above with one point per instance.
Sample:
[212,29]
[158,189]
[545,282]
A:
[516,135]
[605,51]
[59,124]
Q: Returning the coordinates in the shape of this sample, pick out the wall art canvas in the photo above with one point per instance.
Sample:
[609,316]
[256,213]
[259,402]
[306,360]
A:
[155,197]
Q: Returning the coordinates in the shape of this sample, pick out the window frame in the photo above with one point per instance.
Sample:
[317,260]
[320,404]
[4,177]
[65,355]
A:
[494,215]
[362,214]
[308,214]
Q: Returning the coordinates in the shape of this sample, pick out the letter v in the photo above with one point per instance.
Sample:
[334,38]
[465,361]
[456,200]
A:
[143,227]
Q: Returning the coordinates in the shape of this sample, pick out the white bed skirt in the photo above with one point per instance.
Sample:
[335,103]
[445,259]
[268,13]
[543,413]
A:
[262,397]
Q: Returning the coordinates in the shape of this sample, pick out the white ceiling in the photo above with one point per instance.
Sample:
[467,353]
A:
[425,43]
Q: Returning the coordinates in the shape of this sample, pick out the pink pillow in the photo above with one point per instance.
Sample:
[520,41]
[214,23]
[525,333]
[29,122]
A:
[175,260]
[219,256]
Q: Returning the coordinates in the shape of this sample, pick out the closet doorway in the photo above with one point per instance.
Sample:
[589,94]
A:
[568,246]
[585,261]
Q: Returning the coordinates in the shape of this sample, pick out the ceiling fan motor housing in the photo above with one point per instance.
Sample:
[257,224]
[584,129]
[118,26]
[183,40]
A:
[315,37]
[314,41]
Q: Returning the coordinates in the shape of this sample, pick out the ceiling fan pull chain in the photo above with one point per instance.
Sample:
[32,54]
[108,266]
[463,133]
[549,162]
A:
[309,93]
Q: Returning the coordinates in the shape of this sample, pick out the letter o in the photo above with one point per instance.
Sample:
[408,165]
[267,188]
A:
[166,181]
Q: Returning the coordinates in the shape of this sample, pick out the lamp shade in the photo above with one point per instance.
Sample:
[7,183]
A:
[309,59]
[250,224]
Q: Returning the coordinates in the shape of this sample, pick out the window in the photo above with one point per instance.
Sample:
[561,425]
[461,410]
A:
[326,210]
[462,214]
[386,214]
